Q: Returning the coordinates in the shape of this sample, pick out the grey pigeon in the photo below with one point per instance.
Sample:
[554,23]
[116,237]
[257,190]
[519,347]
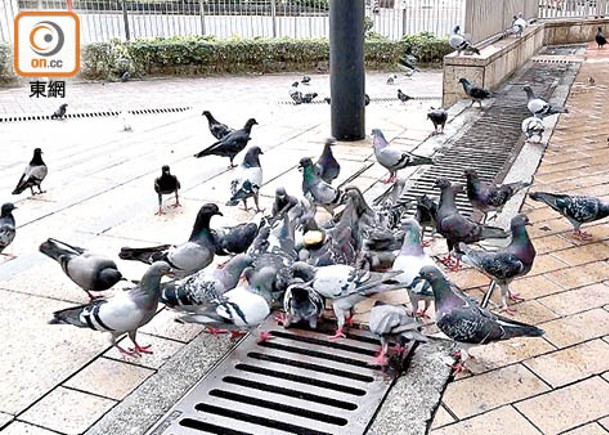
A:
[316,189]
[302,304]
[504,265]
[456,228]
[187,258]
[295,94]
[477,93]
[533,127]
[309,97]
[410,260]
[438,117]
[122,314]
[244,307]
[283,202]
[345,286]
[539,107]
[327,166]
[199,290]
[392,159]
[577,209]
[216,128]
[7,228]
[126,75]
[306,80]
[60,113]
[464,321]
[459,43]
[600,38]
[391,79]
[91,272]
[487,197]
[426,212]
[403,97]
[248,181]
[392,322]
[33,174]
[391,204]
[518,25]
[231,144]
[236,239]
[166,184]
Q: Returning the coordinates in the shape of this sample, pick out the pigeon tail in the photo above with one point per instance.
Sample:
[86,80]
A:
[145,255]
[547,198]
[421,160]
[494,233]
[55,249]
[512,329]
[470,256]
[70,316]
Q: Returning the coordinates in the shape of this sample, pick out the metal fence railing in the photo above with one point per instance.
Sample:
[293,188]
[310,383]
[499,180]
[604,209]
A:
[102,20]
[573,8]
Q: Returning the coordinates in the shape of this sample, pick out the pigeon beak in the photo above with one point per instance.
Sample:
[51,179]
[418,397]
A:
[219,213]
[171,273]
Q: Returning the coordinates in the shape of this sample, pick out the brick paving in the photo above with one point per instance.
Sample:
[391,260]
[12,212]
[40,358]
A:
[558,383]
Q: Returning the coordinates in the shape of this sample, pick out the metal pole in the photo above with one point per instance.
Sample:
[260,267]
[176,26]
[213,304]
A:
[347,74]
[202,14]
[274,17]
[126,19]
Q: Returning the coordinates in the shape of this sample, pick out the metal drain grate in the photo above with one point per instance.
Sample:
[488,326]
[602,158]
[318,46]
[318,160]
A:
[95,114]
[299,382]
[492,142]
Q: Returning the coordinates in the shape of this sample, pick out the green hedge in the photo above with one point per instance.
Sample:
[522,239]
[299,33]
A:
[200,56]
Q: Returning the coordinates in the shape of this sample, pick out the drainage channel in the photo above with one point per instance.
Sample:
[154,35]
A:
[298,382]
[97,114]
[493,142]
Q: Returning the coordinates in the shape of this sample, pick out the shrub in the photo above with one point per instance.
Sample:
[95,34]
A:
[6,63]
[427,47]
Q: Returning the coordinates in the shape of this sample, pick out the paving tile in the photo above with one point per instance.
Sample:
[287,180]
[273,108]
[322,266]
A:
[546,263]
[589,429]
[109,378]
[581,275]
[442,418]
[21,428]
[468,278]
[577,300]
[163,350]
[577,328]
[533,287]
[164,325]
[67,411]
[604,423]
[571,364]
[584,254]
[503,353]
[568,407]
[5,418]
[505,421]
[543,245]
[478,394]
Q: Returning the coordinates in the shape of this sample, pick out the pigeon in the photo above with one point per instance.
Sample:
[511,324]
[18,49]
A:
[309,97]
[426,212]
[282,203]
[518,25]
[60,113]
[126,120]
[237,239]
[504,265]
[366,99]
[391,79]
[91,272]
[187,258]
[577,209]
[392,159]
[317,190]
[33,174]
[216,128]
[302,304]
[164,185]
[345,286]
[126,75]
[438,117]
[410,260]
[248,182]
[305,80]
[408,64]
[7,228]
[197,291]
[459,43]
[600,38]
[295,94]
[477,93]
[591,81]
[539,107]
[124,313]
[388,322]
[231,144]
[456,228]
[245,306]
[487,197]
[464,321]
[403,97]
[328,100]
[533,127]
[327,166]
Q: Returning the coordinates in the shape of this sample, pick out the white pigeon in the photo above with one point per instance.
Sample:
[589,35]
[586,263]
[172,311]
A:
[518,25]
[539,107]
[533,127]
[126,120]
[410,260]
[459,43]
[248,181]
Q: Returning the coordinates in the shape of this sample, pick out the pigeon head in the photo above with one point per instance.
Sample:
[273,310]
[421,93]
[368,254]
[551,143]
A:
[456,29]
[470,173]
[280,192]
[300,293]
[7,208]
[442,183]
[165,169]
[151,279]
[430,273]
[519,221]
[305,162]
[295,84]
[330,142]
[206,113]
[600,29]
[203,217]
[63,106]
[252,157]
[411,226]
[37,152]
[464,81]
[528,90]
[379,303]
[250,122]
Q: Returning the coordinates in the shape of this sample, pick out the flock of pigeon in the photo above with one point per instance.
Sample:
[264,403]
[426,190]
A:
[291,263]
